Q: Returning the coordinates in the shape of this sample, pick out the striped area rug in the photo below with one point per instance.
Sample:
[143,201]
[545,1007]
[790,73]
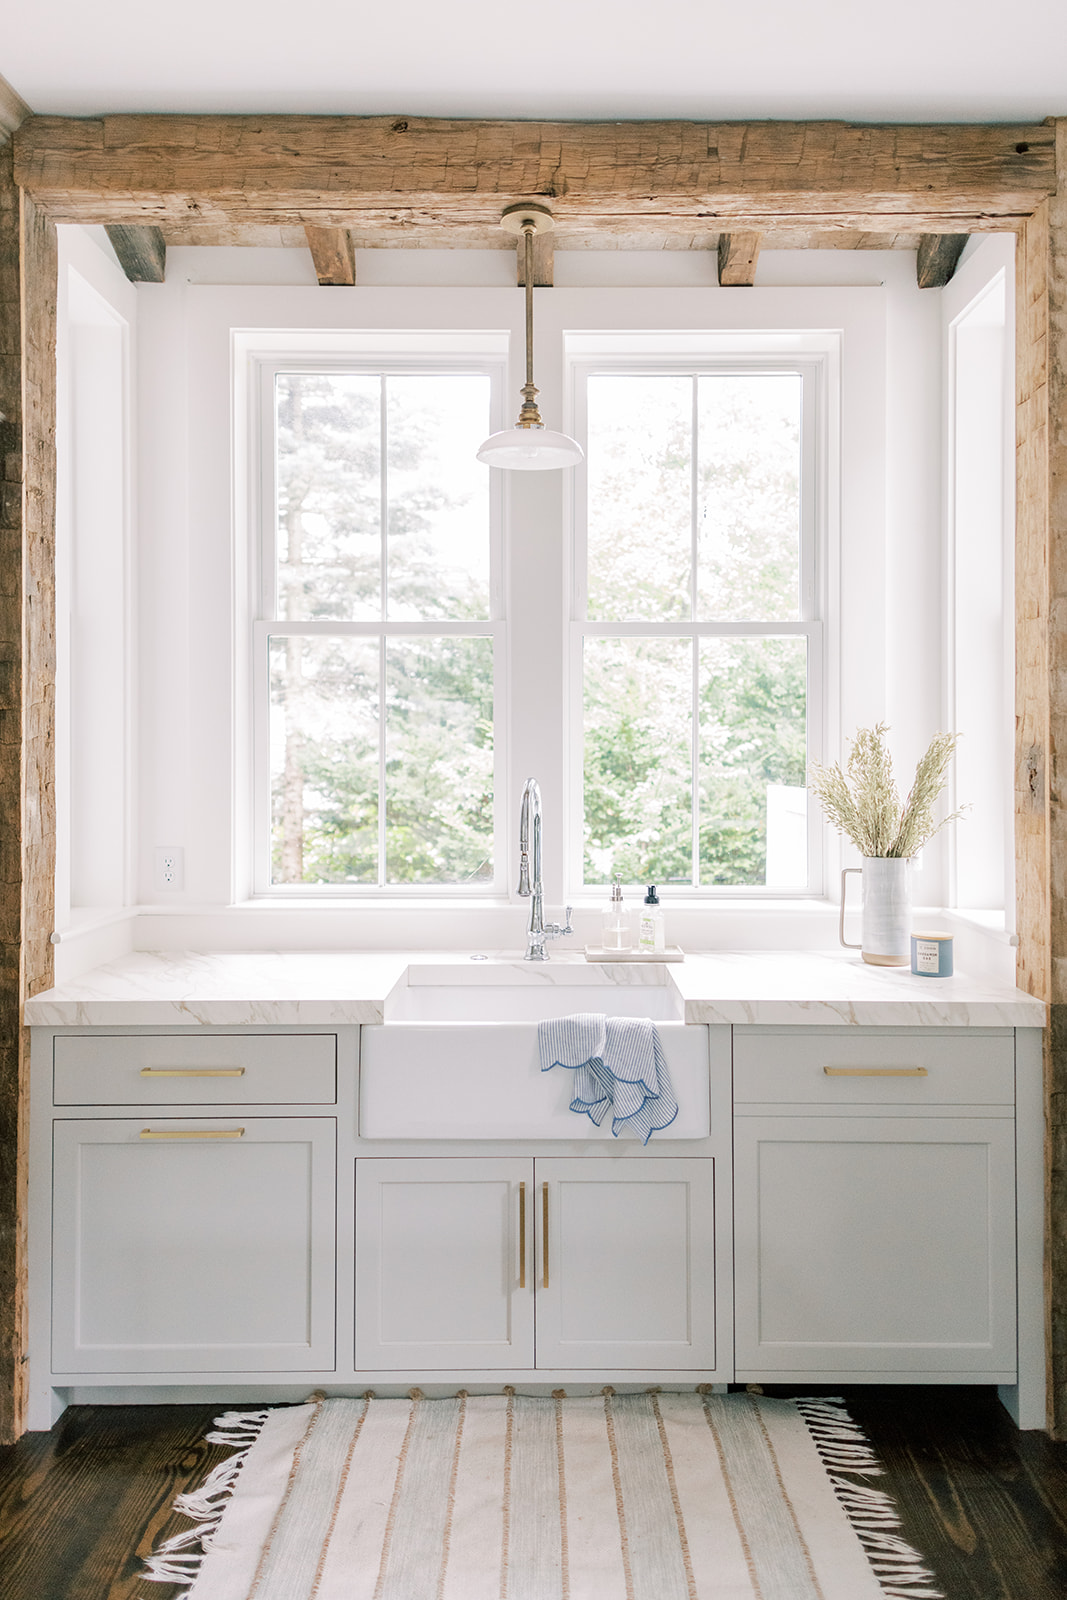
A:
[654,1496]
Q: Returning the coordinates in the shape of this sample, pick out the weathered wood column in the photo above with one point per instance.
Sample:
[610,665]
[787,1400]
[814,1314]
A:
[27,694]
[1041,702]
[1057,675]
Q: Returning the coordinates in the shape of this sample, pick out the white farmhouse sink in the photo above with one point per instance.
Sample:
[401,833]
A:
[518,991]
[456,1057]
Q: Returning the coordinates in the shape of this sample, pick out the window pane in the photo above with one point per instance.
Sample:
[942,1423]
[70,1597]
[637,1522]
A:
[439,760]
[748,507]
[328,466]
[438,496]
[753,804]
[638,760]
[640,496]
[324,760]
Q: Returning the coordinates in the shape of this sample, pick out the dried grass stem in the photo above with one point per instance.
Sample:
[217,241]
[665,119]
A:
[864,803]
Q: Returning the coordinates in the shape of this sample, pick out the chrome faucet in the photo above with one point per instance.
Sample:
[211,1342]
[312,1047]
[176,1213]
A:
[530,880]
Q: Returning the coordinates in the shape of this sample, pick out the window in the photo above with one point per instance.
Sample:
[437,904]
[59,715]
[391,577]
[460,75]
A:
[696,639]
[379,641]
[390,683]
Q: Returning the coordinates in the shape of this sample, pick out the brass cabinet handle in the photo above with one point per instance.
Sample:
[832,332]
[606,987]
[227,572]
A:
[875,1072]
[192,1072]
[192,1133]
[522,1236]
[544,1233]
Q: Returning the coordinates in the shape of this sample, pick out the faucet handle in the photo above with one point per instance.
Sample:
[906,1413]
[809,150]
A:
[568,928]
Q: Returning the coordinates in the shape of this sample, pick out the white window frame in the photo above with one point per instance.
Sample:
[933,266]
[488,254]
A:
[812,358]
[402,356]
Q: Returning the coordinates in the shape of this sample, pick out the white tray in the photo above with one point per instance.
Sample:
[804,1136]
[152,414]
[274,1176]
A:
[595,952]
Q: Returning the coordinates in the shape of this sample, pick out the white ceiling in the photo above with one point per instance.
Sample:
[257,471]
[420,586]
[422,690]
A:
[908,60]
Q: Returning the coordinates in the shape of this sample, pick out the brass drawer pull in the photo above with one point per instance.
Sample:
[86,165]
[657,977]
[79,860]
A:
[875,1072]
[193,1133]
[522,1236]
[544,1231]
[192,1072]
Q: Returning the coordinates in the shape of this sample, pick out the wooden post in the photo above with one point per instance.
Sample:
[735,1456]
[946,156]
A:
[142,252]
[27,678]
[544,261]
[1053,325]
[938,257]
[1041,704]
[738,256]
[334,255]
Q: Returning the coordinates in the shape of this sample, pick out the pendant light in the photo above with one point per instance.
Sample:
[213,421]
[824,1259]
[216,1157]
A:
[529,446]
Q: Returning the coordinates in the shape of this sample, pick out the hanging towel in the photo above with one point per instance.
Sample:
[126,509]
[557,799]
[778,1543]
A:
[617,1062]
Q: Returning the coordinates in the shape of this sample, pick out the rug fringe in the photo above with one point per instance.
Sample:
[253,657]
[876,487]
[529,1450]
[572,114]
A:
[178,1559]
[844,1447]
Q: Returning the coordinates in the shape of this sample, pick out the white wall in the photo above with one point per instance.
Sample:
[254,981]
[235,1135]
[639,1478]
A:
[977,310]
[95,620]
[886,663]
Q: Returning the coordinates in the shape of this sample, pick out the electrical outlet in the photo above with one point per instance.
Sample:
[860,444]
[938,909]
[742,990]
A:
[169,871]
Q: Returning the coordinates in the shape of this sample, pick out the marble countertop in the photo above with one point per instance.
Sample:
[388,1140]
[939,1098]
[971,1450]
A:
[816,988]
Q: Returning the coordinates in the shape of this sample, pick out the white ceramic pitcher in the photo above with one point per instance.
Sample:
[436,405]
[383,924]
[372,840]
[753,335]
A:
[886,915]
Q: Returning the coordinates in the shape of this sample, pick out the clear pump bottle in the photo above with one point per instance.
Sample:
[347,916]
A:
[616,925]
[651,937]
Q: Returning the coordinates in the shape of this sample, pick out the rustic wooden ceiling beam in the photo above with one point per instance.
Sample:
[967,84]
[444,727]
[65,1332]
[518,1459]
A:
[397,173]
[938,257]
[142,251]
[738,256]
[334,255]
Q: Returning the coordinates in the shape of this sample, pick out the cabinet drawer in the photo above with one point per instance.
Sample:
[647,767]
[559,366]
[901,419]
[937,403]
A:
[867,1066]
[195,1069]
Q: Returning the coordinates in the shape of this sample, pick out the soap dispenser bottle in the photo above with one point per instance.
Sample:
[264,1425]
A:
[651,938]
[616,935]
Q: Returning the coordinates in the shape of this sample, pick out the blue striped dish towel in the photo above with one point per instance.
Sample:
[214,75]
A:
[617,1062]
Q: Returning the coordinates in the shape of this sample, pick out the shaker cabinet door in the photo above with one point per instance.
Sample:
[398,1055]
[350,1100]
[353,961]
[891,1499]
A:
[194,1245]
[874,1244]
[443,1270]
[625,1264]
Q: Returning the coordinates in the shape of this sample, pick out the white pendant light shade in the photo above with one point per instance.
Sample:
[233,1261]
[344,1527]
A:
[529,446]
[530,450]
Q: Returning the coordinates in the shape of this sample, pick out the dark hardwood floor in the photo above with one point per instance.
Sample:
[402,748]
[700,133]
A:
[987,1506]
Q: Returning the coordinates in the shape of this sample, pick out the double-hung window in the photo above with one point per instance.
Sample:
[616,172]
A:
[378,646]
[692,691]
[696,633]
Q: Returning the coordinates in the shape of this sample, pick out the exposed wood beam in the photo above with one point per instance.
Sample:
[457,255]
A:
[371,173]
[738,255]
[141,251]
[937,258]
[334,255]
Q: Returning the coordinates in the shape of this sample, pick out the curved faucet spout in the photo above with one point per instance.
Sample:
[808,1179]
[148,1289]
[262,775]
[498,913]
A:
[531,881]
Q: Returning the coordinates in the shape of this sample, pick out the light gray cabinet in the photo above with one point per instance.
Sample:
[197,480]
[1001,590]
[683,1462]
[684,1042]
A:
[190,1244]
[480,1263]
[874,1205]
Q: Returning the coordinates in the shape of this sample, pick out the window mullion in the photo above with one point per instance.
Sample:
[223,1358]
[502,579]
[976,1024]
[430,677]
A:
[694,648]
[694,732]
[383,556]
[381,760]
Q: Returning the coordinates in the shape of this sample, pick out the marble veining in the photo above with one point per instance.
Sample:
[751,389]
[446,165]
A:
[768,988]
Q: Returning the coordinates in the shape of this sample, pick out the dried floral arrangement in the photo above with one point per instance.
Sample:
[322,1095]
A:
[864,803]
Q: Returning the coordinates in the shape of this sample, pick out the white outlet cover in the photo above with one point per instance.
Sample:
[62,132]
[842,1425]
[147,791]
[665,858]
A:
[168,868]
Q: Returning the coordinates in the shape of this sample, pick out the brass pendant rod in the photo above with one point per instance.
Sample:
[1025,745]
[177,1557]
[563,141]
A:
[529,233]
[529,415]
